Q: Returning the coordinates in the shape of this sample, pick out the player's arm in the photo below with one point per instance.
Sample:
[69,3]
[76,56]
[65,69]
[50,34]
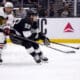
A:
[6,30]
[45,39]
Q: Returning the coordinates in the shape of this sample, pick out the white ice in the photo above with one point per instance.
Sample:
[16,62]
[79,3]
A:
[19,65]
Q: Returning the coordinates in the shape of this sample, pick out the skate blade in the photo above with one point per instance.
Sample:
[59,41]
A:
[44,61]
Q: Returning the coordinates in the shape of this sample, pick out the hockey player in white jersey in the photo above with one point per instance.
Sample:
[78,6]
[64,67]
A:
[7,11]
[3,29]
[6,21]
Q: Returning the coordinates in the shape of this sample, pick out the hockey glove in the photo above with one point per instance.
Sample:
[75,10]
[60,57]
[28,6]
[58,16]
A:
[6,31]
[46,41]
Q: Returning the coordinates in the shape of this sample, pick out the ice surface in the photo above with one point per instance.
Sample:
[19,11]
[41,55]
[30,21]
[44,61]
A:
[19,65]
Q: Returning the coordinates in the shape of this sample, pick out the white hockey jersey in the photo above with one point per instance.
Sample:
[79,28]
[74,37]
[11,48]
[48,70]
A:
[10,20]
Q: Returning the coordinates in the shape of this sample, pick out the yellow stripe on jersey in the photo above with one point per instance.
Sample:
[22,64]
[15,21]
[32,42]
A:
[8,40]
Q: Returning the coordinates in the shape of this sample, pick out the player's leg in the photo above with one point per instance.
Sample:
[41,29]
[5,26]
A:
[1,49]
[2,39]
[27,45]
[39,52]
[1,55]
[30,49]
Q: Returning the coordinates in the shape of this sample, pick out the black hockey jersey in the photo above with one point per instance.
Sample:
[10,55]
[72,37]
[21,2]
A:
[26,28]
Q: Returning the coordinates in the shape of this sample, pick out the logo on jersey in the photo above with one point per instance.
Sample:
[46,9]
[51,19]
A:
[68,28]
[27,26]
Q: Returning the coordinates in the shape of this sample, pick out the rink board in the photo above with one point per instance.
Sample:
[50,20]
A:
[66,40]
[66,30]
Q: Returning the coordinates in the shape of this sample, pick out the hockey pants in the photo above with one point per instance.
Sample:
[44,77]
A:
[32,48]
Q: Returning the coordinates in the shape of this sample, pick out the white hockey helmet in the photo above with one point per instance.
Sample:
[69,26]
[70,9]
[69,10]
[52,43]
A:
[8,4]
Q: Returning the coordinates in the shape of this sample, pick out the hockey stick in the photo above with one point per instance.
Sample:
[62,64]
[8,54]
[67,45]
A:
[25,39]
[65,45]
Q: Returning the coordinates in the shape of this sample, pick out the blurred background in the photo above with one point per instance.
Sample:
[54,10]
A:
[46,8]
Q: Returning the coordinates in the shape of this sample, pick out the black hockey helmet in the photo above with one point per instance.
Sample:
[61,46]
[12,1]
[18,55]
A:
[32,13]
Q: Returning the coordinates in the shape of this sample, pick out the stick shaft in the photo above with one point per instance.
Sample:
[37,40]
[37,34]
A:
[22,38]
[64,45]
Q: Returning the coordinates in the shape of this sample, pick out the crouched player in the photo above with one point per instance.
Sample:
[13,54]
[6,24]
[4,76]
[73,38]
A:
[28,28]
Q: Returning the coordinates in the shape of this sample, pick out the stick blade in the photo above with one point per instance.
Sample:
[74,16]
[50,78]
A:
[77,48]
[70,52]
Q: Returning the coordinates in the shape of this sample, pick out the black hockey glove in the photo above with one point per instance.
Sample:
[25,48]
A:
[46,41]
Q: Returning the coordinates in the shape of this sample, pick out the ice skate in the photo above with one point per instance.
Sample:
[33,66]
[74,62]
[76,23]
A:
[37,59]
[45,59]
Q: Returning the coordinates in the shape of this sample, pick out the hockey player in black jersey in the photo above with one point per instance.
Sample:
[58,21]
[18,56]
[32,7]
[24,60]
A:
[28,28]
